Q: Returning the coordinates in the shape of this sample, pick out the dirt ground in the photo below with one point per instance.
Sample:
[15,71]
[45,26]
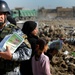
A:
[62,63]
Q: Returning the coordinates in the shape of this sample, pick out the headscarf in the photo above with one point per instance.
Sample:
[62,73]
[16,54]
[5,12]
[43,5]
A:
[28,27]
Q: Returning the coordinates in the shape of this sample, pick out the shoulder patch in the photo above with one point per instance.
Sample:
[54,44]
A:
[26,41]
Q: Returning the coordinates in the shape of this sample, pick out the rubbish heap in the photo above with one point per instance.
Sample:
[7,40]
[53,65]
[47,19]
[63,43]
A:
[62,63]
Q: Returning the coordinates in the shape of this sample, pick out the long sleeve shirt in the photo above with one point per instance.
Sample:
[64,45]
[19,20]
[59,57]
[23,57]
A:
[42,66]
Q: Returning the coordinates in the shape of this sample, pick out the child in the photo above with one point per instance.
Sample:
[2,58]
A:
[30,28]
[40,62]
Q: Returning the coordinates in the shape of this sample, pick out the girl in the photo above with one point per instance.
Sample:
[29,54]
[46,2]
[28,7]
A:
[30,28]
[40,62]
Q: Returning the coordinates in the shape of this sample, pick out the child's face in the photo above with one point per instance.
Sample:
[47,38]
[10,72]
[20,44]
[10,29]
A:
[45,48]
[35,31]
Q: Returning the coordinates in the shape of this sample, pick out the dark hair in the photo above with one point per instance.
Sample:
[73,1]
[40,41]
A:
[41,42]
[50,50]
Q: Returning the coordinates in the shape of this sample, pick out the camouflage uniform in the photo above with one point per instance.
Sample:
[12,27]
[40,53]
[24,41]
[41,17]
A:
[11,67]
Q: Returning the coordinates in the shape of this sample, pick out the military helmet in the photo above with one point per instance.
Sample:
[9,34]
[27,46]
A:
[4,7]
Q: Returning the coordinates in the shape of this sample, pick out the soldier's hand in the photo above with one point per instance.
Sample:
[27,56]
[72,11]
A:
[7,54]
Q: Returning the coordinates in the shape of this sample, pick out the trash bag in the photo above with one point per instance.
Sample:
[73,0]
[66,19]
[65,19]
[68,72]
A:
[56,44]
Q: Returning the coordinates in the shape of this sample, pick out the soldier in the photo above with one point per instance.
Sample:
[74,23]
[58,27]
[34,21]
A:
[10,62]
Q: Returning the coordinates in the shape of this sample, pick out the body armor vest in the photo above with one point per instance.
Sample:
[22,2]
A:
[7,65]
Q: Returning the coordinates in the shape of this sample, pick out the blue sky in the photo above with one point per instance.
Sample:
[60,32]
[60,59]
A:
[35,4]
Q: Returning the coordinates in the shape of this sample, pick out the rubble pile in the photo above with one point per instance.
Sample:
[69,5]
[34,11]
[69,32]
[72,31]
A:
[62,63]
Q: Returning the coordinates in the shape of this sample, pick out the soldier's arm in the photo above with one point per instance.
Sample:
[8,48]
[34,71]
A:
[22,53]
